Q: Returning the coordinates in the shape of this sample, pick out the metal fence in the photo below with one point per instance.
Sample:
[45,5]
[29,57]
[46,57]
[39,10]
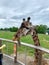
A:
[23,53]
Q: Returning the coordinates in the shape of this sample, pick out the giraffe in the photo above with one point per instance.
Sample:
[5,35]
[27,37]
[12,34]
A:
[25,29]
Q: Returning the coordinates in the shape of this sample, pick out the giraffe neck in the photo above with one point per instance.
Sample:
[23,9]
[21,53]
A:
[36,43]
[35,38]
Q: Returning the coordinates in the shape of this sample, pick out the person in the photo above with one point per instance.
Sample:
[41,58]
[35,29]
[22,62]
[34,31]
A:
[1,56]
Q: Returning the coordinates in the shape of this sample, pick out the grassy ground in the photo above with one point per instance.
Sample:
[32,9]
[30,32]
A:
[28,39]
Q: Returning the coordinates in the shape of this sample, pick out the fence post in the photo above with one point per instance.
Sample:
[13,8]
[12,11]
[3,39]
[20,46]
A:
[15,52]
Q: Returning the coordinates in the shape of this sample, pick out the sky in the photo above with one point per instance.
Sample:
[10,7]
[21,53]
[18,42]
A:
[13,11]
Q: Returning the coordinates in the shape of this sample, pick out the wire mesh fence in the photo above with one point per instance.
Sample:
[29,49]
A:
[9,48]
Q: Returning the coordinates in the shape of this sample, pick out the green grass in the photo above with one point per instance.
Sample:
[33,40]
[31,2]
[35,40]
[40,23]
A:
[6,34]
[28,39]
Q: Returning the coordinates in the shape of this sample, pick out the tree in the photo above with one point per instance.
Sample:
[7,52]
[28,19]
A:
[1,28]
[41,29]
[13,29]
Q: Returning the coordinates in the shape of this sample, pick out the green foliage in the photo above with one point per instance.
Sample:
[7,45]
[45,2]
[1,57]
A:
[1,28]
[41,29]
[47,28]
[12,29]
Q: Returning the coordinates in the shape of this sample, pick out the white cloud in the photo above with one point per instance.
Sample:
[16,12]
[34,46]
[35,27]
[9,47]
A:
[17,9]
[12,22]
[47,9]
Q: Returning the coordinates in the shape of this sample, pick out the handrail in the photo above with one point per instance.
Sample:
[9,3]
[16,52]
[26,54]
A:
[29,45]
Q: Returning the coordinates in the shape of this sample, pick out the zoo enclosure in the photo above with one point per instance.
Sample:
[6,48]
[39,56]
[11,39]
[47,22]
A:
[9,50]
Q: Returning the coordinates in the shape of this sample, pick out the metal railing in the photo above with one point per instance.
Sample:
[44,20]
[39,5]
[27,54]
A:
[17,53]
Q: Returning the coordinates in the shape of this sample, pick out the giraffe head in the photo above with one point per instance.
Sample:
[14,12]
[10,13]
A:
[26,24]
[25,28]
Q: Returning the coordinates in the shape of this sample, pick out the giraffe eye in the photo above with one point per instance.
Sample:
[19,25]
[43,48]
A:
[22,25]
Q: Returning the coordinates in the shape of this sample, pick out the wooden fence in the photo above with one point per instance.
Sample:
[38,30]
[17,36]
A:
[24,44]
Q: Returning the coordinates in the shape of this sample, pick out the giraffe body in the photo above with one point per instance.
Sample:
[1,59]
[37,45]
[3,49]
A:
[25,29]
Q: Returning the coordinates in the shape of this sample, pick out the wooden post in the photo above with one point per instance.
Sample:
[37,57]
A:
[15,52]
